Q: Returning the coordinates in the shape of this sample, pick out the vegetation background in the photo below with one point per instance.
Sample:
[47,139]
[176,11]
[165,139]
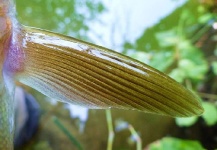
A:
[183,45]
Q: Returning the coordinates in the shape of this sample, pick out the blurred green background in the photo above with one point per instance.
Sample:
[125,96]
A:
[175,36]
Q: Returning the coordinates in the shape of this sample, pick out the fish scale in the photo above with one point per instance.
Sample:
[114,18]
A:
[6,88]
[6,119]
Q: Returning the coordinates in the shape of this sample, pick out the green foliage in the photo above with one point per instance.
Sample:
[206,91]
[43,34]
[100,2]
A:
[210,114]
[71,17]
[214,66]
[186,122]
[179,57]
[186,61]
[188,69]
[188,12]
[175,53]
[175,144]
[167,38]
[161,56]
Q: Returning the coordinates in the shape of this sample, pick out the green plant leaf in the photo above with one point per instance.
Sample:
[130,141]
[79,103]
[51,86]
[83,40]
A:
[178,75]
[175,144]
[192,70]
[214,66]
[210,113]
[186,122]
[205,18]
[161,60]
[167,38]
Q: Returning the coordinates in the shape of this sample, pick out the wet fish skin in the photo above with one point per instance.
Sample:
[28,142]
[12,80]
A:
[6,80]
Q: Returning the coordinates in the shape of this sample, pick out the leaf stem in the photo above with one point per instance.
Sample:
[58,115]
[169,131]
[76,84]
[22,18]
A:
[137,137]
[110,129]
[67,133]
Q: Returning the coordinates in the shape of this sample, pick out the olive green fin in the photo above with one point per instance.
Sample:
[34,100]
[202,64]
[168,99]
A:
[78,72]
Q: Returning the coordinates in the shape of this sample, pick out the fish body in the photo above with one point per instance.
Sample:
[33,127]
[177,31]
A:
[6,82]
[82,73]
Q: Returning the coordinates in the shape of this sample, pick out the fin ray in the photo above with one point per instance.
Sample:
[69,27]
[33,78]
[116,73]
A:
[75,71]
